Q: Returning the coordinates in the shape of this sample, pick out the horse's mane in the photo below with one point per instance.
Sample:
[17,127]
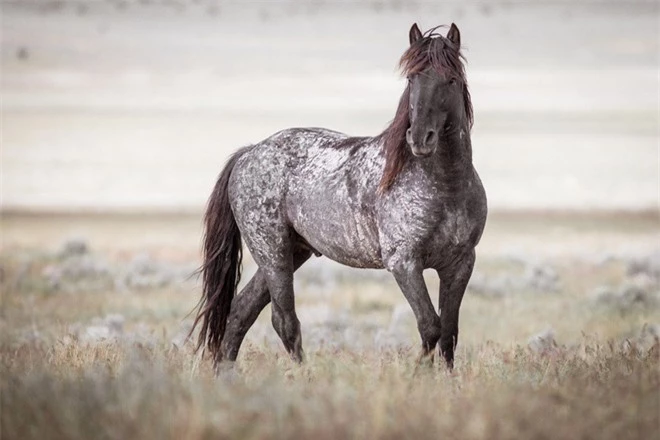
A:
[442,55]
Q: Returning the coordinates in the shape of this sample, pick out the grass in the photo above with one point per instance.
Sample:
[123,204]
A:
[599,381]
[115,391]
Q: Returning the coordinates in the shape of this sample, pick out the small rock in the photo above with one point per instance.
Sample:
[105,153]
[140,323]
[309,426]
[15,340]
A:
[652,330]
[359,338]
[110,327]
[644,281]
[543,342]
[320,336]
[143,273]
[542,278]
[53,275]
[626,297]
[402,318]
[536,277]
[22,53]
[649,265]
[517,256]
[632,295]
[316,314]
[495,287]
[84,266]
[182,337]
[141,334]
[77,272]
[73,246]
[643,341]
[143,264]
[96,333]
[387,340]
[604,295]
[115,322]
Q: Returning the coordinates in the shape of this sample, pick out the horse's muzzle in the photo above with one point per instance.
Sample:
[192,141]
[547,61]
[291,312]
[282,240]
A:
[425,148]
[424,151]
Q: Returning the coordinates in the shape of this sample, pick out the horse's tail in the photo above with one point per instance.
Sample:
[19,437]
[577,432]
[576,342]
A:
[221,269]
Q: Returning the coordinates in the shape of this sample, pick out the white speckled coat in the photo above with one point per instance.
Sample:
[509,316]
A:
[323,186]
[307,191]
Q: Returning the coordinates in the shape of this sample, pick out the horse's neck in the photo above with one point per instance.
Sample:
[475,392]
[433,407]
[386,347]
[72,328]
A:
[452,165]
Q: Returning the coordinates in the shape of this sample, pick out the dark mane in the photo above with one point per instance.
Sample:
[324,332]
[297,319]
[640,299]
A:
[437,52]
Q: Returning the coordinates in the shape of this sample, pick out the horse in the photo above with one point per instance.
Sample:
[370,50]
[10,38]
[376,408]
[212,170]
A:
[405,200]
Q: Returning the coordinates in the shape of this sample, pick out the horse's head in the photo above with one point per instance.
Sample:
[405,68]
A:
[435,105]
[438,100]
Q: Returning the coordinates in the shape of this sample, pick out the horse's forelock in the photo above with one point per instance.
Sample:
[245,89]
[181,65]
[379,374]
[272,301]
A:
[437,52]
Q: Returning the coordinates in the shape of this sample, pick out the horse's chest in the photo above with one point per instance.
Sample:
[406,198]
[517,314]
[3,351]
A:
[427,228]
[437,224]
[455,228]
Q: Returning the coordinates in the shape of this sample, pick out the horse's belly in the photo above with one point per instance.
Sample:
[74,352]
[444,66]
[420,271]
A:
[337,231]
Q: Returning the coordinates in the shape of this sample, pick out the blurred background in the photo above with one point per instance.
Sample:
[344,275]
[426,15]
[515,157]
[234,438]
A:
[135,105]
[117,117]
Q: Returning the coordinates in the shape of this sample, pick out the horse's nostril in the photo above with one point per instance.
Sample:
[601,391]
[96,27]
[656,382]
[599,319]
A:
[430,138]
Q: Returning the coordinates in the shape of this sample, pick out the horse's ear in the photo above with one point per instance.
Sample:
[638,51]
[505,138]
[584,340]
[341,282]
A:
[454,35]
[415,34]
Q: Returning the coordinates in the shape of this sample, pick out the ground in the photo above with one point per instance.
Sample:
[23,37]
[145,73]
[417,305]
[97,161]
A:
[560,342]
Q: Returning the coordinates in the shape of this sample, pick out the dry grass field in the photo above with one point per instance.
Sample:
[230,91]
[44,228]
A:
[119,114]
[560,344]
[113,391]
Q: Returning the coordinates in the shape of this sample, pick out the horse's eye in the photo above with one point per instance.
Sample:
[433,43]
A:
[452,81]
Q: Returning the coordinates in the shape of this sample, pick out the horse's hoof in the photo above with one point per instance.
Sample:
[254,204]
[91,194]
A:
[226,371]
[297,356]
[425,359]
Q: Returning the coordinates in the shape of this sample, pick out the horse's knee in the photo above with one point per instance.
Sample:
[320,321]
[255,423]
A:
[402,267]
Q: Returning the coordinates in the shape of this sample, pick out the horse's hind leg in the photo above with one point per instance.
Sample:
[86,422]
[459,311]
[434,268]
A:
[246,307]
[279,277]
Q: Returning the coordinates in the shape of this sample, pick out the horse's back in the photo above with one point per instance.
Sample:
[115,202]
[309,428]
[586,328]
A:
[268,165]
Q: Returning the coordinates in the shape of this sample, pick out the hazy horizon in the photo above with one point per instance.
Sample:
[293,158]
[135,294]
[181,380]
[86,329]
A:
[135,108]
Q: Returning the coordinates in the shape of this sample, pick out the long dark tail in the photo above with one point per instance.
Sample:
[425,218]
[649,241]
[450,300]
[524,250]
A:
[221,270]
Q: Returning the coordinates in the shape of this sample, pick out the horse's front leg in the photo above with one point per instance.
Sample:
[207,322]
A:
[408,275]
[453,283]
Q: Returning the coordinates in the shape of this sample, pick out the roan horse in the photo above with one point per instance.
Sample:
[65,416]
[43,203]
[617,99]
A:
[406,200]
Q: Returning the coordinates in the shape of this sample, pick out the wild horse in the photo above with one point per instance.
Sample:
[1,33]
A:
[406,200]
